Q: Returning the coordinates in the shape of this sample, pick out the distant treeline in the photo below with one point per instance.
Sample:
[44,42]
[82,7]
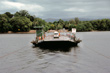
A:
[22,21]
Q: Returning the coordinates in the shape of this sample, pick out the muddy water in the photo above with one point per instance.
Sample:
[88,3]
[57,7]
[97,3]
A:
[92,55]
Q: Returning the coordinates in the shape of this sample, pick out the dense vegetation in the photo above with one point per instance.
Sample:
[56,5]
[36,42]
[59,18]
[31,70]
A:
[23,21]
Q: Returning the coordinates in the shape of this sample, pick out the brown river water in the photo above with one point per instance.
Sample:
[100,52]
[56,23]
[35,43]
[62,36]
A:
[92,55]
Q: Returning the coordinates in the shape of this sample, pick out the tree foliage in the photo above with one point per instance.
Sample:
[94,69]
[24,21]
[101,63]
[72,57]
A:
[38,22]
[22,13]
[72,21]
[9,14]
[4,23]
[77,20]
[23,21]
[20,24]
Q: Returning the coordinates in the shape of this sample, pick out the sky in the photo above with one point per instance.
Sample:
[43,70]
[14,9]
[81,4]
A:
[59,8]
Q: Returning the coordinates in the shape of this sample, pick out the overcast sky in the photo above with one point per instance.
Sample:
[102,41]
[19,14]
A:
[59,8]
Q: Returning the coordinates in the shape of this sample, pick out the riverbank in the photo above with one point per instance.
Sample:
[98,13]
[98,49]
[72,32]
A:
[49,31]
[10,32]
[32,32]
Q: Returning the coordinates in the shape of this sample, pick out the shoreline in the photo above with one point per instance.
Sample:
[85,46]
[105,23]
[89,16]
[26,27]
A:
[10,32]
[49,31]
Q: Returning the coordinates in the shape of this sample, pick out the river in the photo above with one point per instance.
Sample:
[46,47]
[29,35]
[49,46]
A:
[92,55]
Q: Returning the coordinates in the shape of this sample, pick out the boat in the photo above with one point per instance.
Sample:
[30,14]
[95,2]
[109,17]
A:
[56,37]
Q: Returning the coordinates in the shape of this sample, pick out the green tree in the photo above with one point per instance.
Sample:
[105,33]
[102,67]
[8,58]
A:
[80,27]
[22,13]
[38,22]
[20,24]
[88,26]
[4,23]
[17,14]
[46,28]
[9,14]
[72,21]
[56,24]
[59,27]
[103,26]
[61,22]
[71,26]
[52,26]
[77,20]
[66,25]
[108,24]
[31,18]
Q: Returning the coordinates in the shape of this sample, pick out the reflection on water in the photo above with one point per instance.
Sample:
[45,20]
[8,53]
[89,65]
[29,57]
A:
[54,47]
[57,59]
